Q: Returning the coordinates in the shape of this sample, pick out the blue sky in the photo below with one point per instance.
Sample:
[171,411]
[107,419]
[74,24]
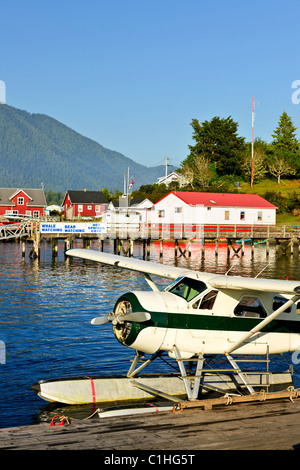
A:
[132,75]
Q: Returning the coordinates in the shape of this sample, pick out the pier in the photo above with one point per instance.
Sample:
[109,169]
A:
[284,238]
[262,425]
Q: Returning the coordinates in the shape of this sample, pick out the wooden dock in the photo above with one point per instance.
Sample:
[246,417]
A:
[273,425]
[285,239]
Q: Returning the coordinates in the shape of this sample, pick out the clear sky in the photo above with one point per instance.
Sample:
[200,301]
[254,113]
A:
[132,74]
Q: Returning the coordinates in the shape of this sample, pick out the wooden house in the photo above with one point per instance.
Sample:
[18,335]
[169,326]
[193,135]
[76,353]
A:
[26,202]
[138,206]
[172,177]
[84,204]
[213,209]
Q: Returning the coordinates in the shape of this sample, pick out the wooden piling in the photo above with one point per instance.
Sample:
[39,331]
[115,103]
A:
[161,248]
[54,247]
[267,247]
[176,248]
[131,247]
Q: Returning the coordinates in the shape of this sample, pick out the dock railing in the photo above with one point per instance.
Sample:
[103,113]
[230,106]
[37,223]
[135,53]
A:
[16,230]
[200,231]
[155,231]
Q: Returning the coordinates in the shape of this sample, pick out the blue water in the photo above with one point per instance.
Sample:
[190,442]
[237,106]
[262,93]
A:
[46,307]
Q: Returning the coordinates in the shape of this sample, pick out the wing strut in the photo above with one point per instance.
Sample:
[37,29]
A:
[263,323]
[150,282]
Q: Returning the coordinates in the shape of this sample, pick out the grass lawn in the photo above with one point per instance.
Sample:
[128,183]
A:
[286,187]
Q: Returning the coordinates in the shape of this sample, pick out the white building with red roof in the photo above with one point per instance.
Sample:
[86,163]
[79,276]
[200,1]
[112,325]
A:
[213,208]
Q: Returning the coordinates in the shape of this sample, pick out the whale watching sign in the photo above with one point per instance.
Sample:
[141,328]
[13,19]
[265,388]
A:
[77,227]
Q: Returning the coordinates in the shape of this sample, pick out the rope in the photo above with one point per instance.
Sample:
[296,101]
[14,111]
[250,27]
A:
[229,399]
[263,395]
[293,393]
[67,418]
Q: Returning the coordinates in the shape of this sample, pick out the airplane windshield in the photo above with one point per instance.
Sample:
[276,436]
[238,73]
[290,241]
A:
[187,288]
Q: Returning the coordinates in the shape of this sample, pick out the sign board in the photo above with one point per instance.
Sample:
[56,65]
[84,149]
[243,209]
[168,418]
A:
[77,227]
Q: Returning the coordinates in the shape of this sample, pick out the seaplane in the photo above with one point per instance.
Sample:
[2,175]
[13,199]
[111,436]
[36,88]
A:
[197,315]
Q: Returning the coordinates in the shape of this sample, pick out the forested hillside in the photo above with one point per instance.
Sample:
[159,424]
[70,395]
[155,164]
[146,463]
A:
[36,149]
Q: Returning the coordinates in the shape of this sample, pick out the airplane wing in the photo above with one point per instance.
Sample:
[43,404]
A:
[255,284]
[133,264]
[222,282]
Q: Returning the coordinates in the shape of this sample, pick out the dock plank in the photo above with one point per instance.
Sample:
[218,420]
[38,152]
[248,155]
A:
[259,426]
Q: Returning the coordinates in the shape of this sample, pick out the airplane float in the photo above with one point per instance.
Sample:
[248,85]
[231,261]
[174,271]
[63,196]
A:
[196,315]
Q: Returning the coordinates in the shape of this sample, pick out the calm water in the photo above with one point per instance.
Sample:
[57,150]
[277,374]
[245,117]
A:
[46,307]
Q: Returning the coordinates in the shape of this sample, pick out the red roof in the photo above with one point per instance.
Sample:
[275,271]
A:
[223,199]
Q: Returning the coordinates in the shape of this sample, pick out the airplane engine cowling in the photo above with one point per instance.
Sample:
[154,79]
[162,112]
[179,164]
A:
[122,328]
[145,335]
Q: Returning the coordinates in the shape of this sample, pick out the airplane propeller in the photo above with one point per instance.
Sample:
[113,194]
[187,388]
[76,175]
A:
[138,317]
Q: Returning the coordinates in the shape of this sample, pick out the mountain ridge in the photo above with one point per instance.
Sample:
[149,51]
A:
[36,149]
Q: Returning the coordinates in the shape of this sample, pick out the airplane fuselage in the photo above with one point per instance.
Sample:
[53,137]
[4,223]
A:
[203,313]
[210,322]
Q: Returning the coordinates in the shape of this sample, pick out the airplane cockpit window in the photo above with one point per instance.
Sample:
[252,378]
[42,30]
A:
[187,288]
[207,301]
[250,307]
[278,302]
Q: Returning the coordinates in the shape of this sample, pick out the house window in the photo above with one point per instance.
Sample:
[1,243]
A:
[242,215]
[20,201]
[89,208]
[259,215]
[36,213]
[28,212]
[161,213]
[97,209]
[226,215]
[178,210]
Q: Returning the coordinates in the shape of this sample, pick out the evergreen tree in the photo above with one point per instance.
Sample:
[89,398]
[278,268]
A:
[218,142]
[285,145]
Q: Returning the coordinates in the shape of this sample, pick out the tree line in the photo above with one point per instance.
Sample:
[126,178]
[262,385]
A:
[219,157]
[220,153]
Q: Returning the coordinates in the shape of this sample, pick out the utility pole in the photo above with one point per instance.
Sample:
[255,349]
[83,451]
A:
[252,143]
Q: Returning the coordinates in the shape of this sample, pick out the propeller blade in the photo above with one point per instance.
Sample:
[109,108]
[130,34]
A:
[100,320]
[138,317]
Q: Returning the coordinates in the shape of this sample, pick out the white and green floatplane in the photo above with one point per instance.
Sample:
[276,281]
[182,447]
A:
[197,315]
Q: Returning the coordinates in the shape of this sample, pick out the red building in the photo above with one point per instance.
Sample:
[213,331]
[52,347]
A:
[16,201]
[84,204]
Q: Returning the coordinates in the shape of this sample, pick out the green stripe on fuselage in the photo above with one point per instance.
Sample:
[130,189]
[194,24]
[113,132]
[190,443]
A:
[196,321]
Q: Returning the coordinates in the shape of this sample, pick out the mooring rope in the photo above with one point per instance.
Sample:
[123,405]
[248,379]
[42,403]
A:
[67,418]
